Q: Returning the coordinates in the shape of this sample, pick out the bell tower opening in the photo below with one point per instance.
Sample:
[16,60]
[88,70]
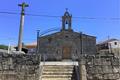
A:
[66,24]
[66,21]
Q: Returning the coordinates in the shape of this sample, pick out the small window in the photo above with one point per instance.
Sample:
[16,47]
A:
[49,40]
[115,43]
[76,51]
[66,36]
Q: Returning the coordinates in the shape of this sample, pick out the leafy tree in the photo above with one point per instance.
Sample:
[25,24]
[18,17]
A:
[3,47]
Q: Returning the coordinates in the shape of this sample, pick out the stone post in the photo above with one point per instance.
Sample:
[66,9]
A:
[83,73]
[23,5]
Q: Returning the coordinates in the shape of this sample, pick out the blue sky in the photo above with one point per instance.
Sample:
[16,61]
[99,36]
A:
[102,10]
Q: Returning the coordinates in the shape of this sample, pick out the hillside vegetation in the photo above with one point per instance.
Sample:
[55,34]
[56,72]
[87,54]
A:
[3,47]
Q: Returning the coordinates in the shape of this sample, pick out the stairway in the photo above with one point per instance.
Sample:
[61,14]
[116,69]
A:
[57,72]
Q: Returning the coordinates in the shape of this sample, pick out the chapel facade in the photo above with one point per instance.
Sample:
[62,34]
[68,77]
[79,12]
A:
[66,44]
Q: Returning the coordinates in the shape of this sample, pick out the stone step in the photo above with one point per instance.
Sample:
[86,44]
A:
[56,78]
[60,72]
[66,63]
[58,69]
[57,74]
[58,66]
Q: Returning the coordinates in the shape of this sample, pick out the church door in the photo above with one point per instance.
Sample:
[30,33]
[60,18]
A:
[66,52]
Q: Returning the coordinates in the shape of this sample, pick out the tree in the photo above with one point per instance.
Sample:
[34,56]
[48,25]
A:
[3,47]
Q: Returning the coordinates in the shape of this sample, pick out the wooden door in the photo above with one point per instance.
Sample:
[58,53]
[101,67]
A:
[66,52]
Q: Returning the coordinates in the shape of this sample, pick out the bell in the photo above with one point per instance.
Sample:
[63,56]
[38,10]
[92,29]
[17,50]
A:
[66,22]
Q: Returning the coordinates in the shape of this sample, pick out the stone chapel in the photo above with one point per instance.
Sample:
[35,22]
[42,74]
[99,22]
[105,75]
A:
[66,44]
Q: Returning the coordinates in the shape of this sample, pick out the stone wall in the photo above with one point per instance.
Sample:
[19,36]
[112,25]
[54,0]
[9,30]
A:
[101,67]
[18,66]
[26,66]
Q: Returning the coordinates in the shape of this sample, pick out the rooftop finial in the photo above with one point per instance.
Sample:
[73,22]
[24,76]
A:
[66,9]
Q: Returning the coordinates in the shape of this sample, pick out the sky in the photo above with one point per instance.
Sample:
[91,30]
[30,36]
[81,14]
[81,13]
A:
[100,18]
